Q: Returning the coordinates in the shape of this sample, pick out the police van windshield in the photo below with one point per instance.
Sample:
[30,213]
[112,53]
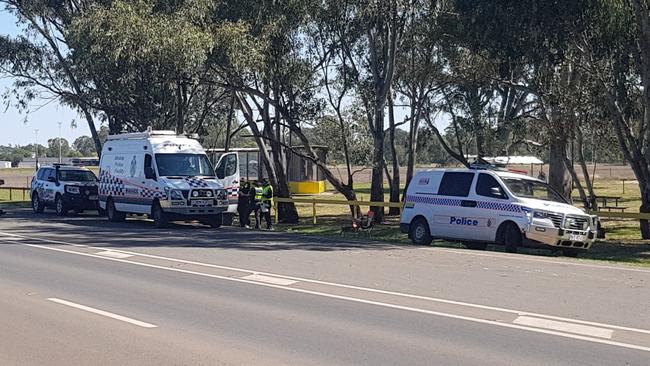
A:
[528,188]
[184,165]
[77,176]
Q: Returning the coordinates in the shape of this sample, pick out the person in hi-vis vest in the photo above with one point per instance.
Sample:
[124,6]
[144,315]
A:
[267,203]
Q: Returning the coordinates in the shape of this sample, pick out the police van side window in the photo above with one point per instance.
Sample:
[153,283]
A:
[41,174]
[487,186]
[456,184]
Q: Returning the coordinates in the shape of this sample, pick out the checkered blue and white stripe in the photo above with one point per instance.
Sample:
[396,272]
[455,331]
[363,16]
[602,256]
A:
[196,182]
[498,206]
[109,185]
[434,200]
[486,205]
[151,193]
[232,191]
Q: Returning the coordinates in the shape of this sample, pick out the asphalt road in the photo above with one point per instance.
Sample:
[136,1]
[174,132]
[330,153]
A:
[80,290]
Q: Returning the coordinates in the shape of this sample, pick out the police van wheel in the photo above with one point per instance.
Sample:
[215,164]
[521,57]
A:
[37,205]
[112,213]
[511,238]
[420,234]
[158,216]
[475,245]
[60,207]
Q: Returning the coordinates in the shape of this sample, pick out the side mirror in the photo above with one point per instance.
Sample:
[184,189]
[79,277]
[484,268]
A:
[51,179]
[149,173]
[496,191]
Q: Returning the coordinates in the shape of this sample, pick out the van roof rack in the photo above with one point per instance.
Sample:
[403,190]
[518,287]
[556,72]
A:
[139,135]
[486,166]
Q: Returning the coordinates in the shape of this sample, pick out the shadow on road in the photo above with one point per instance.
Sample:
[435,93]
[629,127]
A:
[138,231]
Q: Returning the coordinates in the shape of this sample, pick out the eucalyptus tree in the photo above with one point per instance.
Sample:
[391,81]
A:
[40,57]
[615,50]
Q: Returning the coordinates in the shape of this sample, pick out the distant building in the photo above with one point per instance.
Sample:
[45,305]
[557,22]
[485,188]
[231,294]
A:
[5,164]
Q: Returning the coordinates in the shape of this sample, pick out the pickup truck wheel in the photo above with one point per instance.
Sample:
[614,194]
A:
[420,234]
[60,206]
[216,221]
[511,238]
[475,245]
[573,253]
[112,213]
[158,216]
[37,205]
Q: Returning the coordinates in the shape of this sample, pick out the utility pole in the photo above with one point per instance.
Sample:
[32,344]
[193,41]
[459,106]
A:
[36,148]
[60,157]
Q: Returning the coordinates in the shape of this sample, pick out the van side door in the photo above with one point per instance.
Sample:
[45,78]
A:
[228,174]
[493,202]
[455,214]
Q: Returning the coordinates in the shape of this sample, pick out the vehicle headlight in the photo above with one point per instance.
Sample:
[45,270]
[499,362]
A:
[176,195]
[72,189]
[540,215]
[208,194]
[195,193]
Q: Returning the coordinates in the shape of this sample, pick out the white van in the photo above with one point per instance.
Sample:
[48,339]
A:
[480,206]
[163,175]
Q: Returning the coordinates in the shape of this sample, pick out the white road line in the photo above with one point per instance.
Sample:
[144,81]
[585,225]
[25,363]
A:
[367,289]
[565,327]
[363,301]
[114,254]
[103,313]
[527,258]
[267,279]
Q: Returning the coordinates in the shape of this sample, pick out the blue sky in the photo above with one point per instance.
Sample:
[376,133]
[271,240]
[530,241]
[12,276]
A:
[14,129]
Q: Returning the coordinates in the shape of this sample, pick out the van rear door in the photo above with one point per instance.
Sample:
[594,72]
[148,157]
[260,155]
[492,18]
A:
[227,171]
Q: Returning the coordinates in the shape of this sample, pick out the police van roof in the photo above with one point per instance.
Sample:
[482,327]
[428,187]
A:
[499,172]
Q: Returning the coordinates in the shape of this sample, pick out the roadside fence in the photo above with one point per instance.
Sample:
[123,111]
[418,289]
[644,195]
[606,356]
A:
[321,201]
[15,194]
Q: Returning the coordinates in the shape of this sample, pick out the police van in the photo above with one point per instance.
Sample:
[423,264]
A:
[482,206]
[160,174]
[64,188]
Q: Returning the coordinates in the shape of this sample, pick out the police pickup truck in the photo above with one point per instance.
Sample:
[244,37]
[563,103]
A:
[482,206]
[64,188]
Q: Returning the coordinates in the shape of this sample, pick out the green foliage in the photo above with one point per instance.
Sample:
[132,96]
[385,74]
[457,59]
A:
[84,145]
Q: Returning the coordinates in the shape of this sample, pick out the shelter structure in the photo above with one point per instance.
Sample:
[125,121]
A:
[304,176]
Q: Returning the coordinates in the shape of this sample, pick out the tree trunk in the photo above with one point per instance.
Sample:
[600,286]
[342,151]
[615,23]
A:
[93,131]
[377,180]
[395,179]
[558,175]
[645,208]
[287,212]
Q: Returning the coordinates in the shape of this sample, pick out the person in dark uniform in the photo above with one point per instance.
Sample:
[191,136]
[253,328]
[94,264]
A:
[244,207]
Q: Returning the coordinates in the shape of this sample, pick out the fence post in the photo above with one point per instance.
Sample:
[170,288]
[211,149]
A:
[314,212]
[24,190]
[11,196]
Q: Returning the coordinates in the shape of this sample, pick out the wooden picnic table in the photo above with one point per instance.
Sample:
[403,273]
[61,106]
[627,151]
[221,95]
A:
[604,200]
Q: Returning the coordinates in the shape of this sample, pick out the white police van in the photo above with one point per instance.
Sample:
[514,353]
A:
[160,174]
[64,188]
[482,206]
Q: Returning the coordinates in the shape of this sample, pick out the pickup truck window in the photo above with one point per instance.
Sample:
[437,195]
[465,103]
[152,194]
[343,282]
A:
[456,184]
